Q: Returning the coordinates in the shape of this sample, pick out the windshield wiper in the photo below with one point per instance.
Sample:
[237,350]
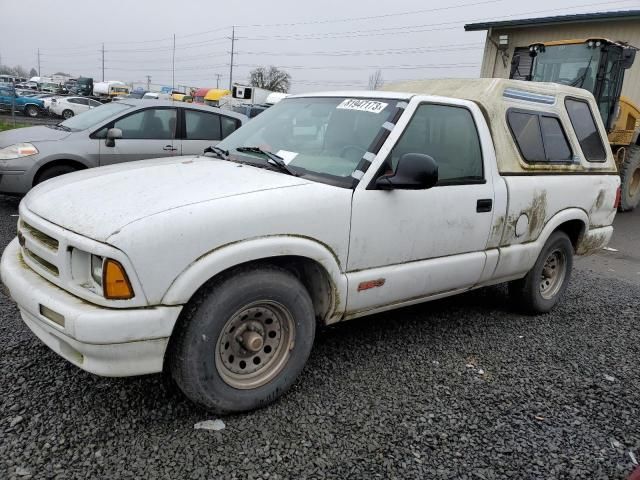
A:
[273,159]
[220,153]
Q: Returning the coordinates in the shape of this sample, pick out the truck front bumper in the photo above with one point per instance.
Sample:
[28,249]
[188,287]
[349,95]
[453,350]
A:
[105,341]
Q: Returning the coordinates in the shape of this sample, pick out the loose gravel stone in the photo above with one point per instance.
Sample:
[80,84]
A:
[387,396]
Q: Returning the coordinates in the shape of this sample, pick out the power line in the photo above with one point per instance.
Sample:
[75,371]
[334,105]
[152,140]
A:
[368,67]
[372,17]
[312,36]
[386,51]
[406,29]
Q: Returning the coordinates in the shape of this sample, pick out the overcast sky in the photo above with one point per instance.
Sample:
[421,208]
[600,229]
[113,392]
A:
[323,44]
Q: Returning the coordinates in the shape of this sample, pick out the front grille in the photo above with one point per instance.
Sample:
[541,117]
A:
[40,237]
[50,267]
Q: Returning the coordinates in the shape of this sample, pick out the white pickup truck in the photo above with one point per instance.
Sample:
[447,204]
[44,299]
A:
[326,207]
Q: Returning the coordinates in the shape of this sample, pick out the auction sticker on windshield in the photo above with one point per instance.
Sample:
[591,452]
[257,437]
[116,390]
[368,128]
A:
[370,106]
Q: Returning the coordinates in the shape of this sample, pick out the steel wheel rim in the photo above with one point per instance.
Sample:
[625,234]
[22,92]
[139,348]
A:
[635,182]
[553,273]
[255,344]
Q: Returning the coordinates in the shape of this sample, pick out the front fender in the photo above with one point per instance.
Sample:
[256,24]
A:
[233,254]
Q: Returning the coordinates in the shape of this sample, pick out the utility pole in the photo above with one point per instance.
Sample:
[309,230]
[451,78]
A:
[38,62]
[103,62]
[148,82]
[173,64]
[233,40]
[218,76]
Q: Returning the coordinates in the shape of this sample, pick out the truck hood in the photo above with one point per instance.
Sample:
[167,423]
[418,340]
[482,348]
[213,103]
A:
[31,134]
[100,201]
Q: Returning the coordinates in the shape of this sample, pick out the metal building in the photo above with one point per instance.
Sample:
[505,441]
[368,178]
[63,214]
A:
[505,38]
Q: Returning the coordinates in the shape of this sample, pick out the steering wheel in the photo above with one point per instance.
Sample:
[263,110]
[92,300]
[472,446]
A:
[346,148]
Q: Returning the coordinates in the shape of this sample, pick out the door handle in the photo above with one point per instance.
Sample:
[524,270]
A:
[484,205]
[169,148]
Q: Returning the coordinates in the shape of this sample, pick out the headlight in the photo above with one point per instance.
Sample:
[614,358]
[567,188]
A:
[96,269]
[17,150]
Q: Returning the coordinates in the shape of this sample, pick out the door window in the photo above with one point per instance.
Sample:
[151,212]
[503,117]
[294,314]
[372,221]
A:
[585,127]
[448,134]
[202,125]
[229,125]
[152,123]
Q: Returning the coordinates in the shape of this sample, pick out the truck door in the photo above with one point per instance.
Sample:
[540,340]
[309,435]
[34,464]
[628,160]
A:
[146,133]
[416,243]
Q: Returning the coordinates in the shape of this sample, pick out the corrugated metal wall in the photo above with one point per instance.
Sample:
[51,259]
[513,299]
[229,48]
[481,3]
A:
[493,64]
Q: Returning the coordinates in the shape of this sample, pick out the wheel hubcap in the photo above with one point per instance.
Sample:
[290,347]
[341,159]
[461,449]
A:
[255,344]
[553,274]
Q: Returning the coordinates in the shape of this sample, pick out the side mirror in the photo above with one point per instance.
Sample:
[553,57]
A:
[628,57]
[112,135]
[415,171]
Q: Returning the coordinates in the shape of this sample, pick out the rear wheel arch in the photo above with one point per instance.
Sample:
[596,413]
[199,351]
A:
[574,229]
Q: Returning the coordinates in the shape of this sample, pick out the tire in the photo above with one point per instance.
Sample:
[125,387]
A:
[538,292]
[206,360]
[31,111]
[630,179]
[53,171]
[67,114]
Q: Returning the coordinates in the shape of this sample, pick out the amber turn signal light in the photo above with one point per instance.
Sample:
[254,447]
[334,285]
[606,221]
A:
[115,282]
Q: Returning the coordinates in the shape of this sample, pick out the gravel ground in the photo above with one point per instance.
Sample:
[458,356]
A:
[462,388]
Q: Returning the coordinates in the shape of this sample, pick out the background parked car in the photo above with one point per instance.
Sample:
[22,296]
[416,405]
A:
[67,107]
[30,106]
[116,132]
[250,110]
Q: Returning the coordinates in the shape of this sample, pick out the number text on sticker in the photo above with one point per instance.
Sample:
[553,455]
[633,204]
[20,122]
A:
[362,105]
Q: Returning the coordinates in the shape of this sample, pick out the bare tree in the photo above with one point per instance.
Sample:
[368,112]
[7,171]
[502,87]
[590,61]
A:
[33,73]
[375,80]
[270,78]
[18,71]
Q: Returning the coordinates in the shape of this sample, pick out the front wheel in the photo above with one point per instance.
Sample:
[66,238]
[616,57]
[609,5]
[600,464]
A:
[31,111]
[67,114]
[243,340]
[541,289]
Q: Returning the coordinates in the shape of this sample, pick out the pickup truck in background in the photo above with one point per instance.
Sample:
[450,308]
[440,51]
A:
[324,208]
[29,106]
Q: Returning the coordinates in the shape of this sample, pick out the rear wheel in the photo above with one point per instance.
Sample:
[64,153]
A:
[630,179]
[66,114]
[31,111]
[242,342]
[53,171]
[541,289]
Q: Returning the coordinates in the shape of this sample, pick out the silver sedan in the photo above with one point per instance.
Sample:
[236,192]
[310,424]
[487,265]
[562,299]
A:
[113,133]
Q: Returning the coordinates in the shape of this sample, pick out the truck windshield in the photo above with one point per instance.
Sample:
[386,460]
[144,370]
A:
[95,116]
[321,137]
[574,65]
